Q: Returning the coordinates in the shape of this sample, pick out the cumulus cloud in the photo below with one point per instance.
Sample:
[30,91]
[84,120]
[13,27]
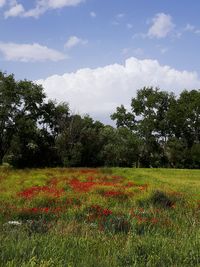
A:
[74,41]
[99,91]
[40,8]
[15,11]
[2,3]
[29,52]
[161,26]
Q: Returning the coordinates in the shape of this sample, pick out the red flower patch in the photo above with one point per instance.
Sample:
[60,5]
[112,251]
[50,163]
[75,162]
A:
[42,210]
[113,194]
[98,212]
[112,178]
[90,178]
[33,191]
[108,184]
[143,217]
[142,187]
[106,212]
[130,184]
[53,182]
[81,186]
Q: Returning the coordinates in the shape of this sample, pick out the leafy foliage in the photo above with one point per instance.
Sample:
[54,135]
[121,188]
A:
[160,130]
[168,127]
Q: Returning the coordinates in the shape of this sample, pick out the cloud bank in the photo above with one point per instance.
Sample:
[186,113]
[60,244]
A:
[2,3]
[29,52]
[99,91]
[41,6]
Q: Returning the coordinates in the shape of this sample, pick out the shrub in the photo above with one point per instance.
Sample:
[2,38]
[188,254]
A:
[117,224]
[160,198]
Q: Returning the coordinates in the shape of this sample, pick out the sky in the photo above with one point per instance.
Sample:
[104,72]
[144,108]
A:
[96,54]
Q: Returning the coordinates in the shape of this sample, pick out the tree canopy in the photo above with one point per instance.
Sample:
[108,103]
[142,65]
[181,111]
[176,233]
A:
[159,130]
[167,126]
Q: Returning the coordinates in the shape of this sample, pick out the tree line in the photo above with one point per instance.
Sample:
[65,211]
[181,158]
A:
[158,130]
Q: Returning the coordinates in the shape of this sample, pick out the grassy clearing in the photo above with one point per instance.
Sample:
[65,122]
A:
[99,217]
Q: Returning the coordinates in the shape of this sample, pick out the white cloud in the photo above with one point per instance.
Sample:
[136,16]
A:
[74,41]
[162,25]
[40,8]
[129,26]
[35,12]
[120,16]
[59,3]
[14,11]
[99,91]
[29,52]
[191,28]
[93,14]
[43,5]
[2,3]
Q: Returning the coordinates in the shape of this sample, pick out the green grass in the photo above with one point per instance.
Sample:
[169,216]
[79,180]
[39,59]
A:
[100,217]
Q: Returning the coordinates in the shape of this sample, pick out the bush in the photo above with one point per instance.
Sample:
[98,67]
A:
[160,198]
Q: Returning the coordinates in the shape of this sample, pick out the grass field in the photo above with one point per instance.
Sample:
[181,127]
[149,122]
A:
[99,217]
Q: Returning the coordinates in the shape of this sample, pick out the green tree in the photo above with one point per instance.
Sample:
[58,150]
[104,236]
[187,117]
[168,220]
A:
[22,111]
[9,103]
[23,141]
[149,120]
[79,142]
[121,147]
[20,104]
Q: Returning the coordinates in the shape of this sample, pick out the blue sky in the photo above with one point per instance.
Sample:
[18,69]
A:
[95,54]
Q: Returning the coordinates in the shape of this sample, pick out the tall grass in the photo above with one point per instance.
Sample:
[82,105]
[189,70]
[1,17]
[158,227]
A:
[109,217]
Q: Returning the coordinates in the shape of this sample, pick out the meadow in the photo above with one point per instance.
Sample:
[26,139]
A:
[99,217]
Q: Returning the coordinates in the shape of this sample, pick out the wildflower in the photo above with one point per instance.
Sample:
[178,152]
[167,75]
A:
[113,194]
[106,212]
[130,184]
[32,191]
[14,223]
[81,186]
[154,220]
